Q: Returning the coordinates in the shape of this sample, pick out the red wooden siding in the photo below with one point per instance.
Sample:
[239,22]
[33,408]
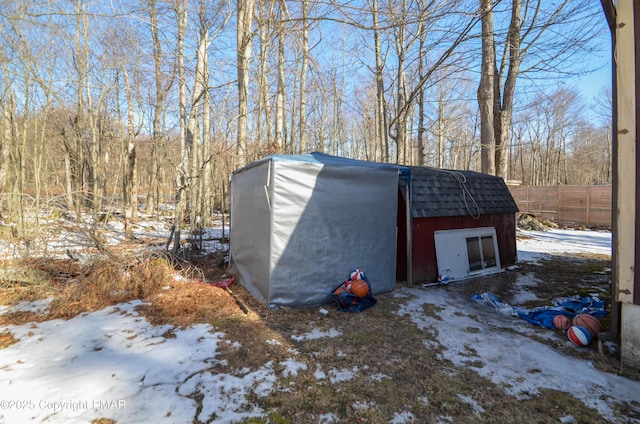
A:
[425,267]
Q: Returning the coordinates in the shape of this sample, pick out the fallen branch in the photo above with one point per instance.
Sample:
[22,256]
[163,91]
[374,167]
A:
[238,301]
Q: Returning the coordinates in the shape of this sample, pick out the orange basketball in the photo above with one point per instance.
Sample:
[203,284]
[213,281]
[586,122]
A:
[561,322]
[589,322]
[360,288]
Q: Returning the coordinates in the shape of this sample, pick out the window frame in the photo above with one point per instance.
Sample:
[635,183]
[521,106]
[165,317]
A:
[458,257]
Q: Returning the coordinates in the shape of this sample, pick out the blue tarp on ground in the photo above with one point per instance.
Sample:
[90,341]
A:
[543,315]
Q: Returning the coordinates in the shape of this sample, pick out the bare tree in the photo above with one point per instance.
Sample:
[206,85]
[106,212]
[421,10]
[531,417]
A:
[302,116]
[129,176]
[11,163]
[182,171]
[407,23]
[279,139]
[403,40]
[153,189]
[548,135]
[529,46]
[210,22]
[264,135]
[486,89]
[245,11]
[382,136]
[8,120]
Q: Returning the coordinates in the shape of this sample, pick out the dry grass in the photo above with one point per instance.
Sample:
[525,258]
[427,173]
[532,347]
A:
[25,280]
[108,281]
[6,339]
[393,365]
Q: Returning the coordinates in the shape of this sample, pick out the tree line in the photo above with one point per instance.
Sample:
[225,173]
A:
[108,104]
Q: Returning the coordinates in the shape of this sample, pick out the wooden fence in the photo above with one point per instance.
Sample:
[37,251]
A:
[588,206]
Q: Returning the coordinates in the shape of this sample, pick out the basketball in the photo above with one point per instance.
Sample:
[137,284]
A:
[579,336]
[589,322]
[356,274]
[561,322]
[360,288]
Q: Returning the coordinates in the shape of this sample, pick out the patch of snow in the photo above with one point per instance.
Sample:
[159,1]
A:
[536,244]
[319,374]
[477,409]
[379,377]
[317,334]
[114,364]
[403,418]
[329,418]
[363,405]
[336,376]
[523,294]
[292,367]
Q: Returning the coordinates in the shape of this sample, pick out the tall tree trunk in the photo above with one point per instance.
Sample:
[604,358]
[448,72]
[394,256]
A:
[206,209]
[79,123]
[402,118]
[441,133]
[10,166]
[245,10]
[421,128]
[302,120]
[86,118]
[402,107]
[382,136]
[279,141]
[153,184]
[264,135]
[129,184]
[504,111]
[93,150]
[486,90]
[7,104]
[182,172]
[194,135]
[17,159]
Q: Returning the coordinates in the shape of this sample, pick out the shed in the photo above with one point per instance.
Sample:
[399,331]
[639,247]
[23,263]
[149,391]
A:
[457,218]
[301,223]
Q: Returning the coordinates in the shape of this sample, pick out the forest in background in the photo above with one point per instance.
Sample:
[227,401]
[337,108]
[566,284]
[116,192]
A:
[129,105]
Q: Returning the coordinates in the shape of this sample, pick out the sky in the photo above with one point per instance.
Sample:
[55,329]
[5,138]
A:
[113,363]
[591,84]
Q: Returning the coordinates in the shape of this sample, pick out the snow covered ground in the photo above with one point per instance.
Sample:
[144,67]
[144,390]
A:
[534,244]
[114,364]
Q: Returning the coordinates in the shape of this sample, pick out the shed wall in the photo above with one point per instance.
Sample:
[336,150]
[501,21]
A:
[298,229]
[326,221]
[250,229]
[425,266]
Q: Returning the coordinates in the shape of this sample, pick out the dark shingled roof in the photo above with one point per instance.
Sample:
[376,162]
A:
[441,192]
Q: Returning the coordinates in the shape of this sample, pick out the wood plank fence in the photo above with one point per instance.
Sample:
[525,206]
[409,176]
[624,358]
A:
[587,206]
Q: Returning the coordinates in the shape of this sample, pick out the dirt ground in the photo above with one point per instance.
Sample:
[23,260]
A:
[180,294]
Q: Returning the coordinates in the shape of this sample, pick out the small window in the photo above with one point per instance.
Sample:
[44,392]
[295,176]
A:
[480,253]
[467,252]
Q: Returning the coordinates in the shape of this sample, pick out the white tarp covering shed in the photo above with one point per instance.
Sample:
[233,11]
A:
[300,223]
